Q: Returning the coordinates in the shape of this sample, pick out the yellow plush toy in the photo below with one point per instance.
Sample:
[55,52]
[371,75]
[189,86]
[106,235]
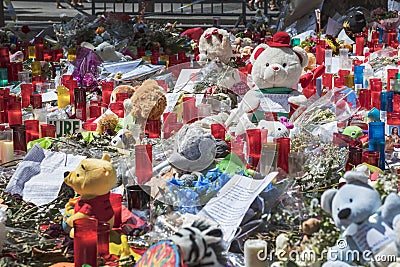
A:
[92,180]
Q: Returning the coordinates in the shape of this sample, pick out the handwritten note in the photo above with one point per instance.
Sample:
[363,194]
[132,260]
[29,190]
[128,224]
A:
[275,103]
[172,99]
[233,200]
[186,80]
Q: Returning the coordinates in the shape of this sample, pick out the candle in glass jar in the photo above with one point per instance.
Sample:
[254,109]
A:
[254,253]
[143,163]
[80,103]
[85,241]
[6,145]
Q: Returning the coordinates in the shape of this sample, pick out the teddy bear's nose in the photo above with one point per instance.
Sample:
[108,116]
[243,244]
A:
[66,174]
[275,68]
[344,213]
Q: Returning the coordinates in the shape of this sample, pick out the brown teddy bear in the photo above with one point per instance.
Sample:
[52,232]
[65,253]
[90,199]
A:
[147,103]
[309,227]
[92,180]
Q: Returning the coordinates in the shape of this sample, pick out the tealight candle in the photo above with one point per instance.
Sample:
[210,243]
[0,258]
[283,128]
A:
[254,253]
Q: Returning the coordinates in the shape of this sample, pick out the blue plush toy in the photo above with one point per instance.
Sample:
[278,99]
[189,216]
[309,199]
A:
[368,227]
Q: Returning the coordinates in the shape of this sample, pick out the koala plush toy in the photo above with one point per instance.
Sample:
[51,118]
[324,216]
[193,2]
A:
[369,228]
[107,52]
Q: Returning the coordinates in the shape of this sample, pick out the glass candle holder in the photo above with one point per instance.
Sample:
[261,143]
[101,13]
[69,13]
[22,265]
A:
[32,130]
[95,111]
[103,239]
[26,91]
[189,109]
[218,131]
[66,77]
[253,144]
[71,85]
[283,153]
[391,74]
[153,128]
[71,53]
[320,52]
[48,130]
[355,158]
[343,58]
[80,103]
[88,126]
[120,97]
[370,157]
[19,137]
[36,68]
[204,110]
[3,77]
[15,114]
[268,158]
[139,200]
[36,100]
[365,98]
[63,96]
[116,204]
[327,79]
[376,133]
[359,44]
[85,241]
[39,52]
[143,163]
[6,145]
[31,52]
[328,60]
[117,108]
[24,76]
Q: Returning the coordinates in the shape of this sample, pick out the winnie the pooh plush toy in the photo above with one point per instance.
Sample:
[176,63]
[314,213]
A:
[92,180]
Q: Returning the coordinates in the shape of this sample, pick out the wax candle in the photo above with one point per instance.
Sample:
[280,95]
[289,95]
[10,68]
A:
[153,128]
[255,253]
[189,109]
[283,153]
[36,68]
[359,44]
[85,241]
[71,85]
[26,91]
[343,58]
[143,163]
[116,204]
[103,239]
[48,130]
[253,143]
[117,108]
[320,52]
[14,114]
[107,88]
[218,131]
[269,158]
[32,130]
[63,96]
[80,103]
[6,145]
[371,157]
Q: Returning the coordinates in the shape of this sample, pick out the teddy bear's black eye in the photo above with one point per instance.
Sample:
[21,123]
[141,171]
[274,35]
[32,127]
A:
[351,200]
[267,64]
[77,175]
[284,65]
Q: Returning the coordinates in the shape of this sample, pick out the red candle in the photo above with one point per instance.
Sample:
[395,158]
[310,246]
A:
[103,239]
[36,100]
[19,137]
[66,77]
[39,52]
[89,126]
[320,52]
[85,241]
[15,115]
[327,80]
[122,96]
[218,131]
[116,203]
[365,98]
[143,163]
[153,128]
[253,143]
[107,88]
[338,82]
[376,99]
[71,85]
[141,51]
[48,130]
[4,56]
[355,158]
[359,44]
[118,109]
[80,103]
[283,153]
[26,91]
[95,111]
[391,74]
[189,109]
[172,60]
[32,130]
[370,157]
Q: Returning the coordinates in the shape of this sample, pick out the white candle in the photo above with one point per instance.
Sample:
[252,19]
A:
[6,151]
[255,253]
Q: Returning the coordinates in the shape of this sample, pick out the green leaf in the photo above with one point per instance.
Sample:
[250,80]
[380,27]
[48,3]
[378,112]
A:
[43,142]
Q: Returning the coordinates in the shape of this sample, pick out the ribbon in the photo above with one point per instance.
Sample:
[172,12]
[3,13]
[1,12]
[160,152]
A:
[214,32]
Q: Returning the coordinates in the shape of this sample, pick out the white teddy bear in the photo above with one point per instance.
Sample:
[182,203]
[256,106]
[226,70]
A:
[214,44]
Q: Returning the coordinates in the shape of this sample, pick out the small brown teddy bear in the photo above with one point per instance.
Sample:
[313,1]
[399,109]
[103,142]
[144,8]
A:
[148,102]
[107,124]
[309,227]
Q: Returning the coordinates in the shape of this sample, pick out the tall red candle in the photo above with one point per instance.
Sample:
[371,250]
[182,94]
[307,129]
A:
[283,153]
[320,52]
[107,88]
[26,91]
[116,204]
[143,163]
[32,130]
[103,239]
[253,142]
[85,241]
[189,109]
[218,131]
[80,103]
[153,128]
[48,130]
[359,44]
